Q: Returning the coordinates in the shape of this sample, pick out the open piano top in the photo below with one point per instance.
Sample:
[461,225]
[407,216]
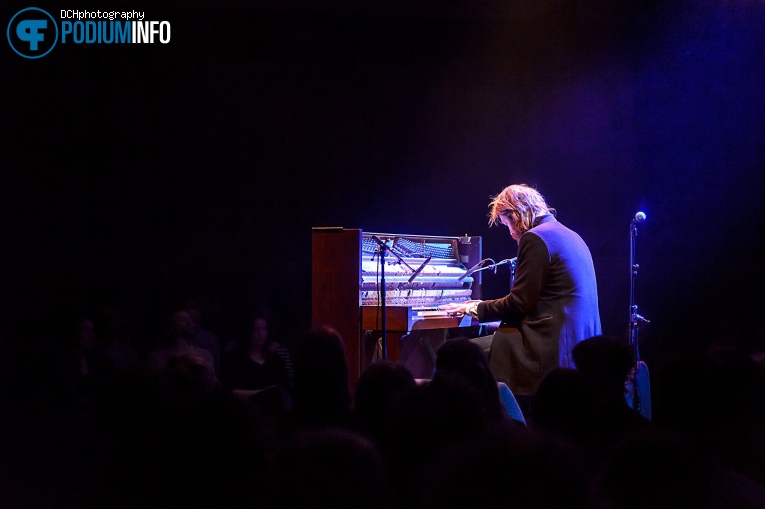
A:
[440,280]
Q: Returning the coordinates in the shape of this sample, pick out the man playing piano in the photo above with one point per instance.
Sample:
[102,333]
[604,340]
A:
[553,303]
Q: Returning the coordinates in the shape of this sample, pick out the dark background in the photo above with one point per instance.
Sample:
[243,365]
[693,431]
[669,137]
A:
[141,174]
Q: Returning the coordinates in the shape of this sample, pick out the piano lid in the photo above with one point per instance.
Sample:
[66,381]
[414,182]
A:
[413,246]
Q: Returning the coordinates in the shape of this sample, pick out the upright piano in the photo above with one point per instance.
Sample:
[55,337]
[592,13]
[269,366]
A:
[420,272]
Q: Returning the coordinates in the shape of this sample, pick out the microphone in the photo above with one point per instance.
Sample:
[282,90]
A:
[474,268]
[419,269]
[379,242]
[639,217]
[506,261]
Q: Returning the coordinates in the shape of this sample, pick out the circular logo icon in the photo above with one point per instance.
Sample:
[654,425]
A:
[32,33]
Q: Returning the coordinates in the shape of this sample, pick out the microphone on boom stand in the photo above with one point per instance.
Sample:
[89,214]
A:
[383,248]
[419,269]
[641,392]
[475,268]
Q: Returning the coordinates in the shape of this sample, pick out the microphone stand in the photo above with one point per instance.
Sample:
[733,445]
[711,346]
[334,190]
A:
[635,318]
[478,267]
[508,261]
[381,251]
[512,262]
[494,265]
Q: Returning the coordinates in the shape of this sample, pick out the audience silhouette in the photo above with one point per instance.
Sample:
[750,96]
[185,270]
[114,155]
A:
[328,467]
[257,361]
[715,402]
[379,387]
[177,341]
[564,407]
[322,395]
[202,337]
[606,364]
[109,427]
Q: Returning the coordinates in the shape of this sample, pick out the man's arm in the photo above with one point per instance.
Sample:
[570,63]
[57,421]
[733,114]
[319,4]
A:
[533,265]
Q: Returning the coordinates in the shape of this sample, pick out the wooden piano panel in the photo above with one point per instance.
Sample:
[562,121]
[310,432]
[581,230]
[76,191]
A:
[400,321]
[335,280]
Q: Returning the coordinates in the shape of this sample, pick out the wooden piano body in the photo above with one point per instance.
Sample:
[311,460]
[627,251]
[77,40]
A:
[345,293]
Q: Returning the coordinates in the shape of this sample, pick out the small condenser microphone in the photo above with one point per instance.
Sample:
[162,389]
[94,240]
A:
[419,269]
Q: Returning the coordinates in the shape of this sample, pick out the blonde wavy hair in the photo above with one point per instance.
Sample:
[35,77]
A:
[521,204]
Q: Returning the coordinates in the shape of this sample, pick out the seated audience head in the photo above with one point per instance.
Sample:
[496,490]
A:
[181,328]
[463,358]
[196,311]
[713,398]
[508,469]
[461,363]
[605,362]
[259,328]
[321,373]
[329,468]
[379,386]
[651,469]
[83,334]
[563,406]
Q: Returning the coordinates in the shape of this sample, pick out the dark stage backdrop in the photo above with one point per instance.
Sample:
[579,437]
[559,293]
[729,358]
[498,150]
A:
[141,174]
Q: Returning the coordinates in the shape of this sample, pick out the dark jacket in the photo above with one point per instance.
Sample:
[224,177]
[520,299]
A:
[553,304]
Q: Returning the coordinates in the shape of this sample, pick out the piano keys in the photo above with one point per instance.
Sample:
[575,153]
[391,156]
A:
[409,318]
